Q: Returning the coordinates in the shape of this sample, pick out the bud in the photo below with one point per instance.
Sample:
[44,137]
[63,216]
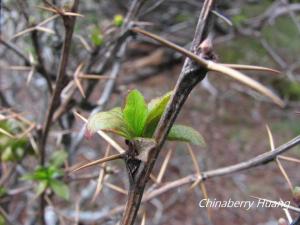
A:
[97,37]
[206,49]
[118,20]
[88,134]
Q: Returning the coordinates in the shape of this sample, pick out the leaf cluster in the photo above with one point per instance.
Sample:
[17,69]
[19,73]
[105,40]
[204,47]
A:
[138,119]
[13,149]
[49,176]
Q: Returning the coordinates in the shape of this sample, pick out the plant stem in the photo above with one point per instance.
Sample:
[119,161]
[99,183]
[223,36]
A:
[69,23]
[191,75]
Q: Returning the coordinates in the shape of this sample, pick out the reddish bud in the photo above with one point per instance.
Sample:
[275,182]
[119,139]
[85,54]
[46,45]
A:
[88,134]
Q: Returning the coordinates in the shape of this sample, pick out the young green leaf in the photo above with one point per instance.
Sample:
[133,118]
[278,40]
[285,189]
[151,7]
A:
[118,20]
[135,112]
[58,158]
[39,174]
[111,121]
[41,187]
[3,192]
[97,37]
[156,107]
[60,189]
[185,133]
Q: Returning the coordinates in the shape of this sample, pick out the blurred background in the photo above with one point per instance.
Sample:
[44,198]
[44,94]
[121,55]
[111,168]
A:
[231,117]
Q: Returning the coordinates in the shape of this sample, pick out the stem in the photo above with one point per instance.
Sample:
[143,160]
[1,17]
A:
[191,74]
[69,23]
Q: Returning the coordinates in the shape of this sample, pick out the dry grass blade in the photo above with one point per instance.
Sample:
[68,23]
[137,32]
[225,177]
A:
[164,166]
[245,80]
[250,67]
[282,170]
[115,188]
[98,161]
[103,135]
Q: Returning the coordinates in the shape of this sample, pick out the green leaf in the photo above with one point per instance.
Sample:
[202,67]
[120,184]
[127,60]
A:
[118,20]
[41,187]
[111,121]
[60,189]
[7,155]
[97,37]
[156,108]
[135,112]
[2,220]
[187,134]
[41,173]
[44,174]
[53,172]
[3,191]
[58,158]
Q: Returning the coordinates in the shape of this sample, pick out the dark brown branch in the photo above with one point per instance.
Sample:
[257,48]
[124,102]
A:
[16,51]
[41,65]
[69,23]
